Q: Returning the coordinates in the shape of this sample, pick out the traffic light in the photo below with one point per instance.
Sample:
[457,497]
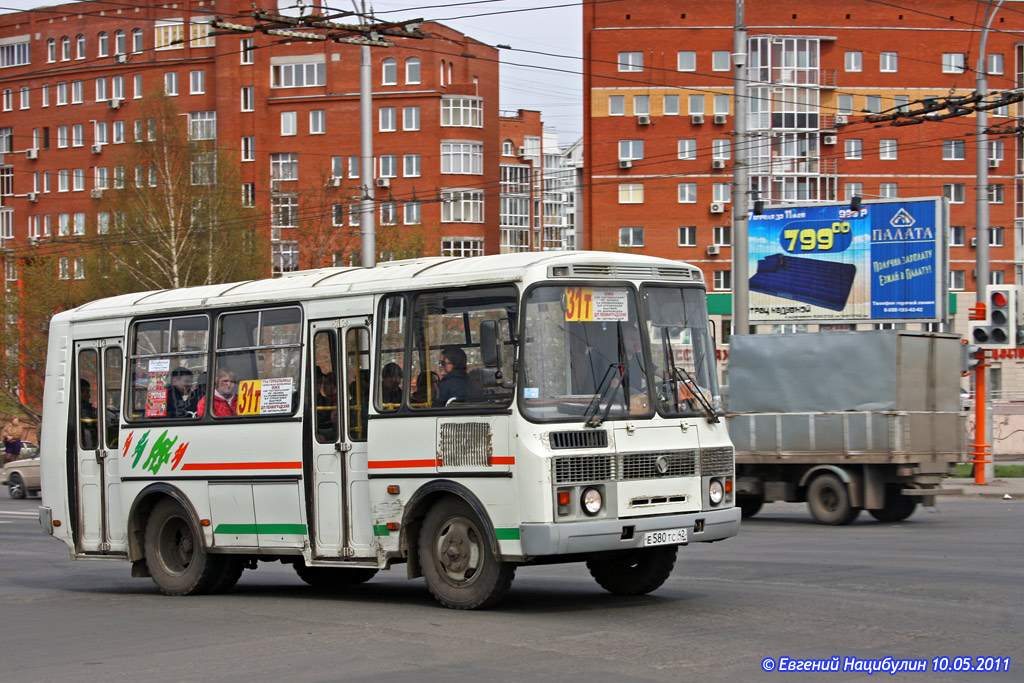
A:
[968,357]
[999,329]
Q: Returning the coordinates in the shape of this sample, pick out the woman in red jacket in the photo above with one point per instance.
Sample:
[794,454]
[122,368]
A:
[225,395]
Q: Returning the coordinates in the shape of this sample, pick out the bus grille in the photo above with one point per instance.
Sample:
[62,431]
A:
[579,469]
[466,444]
[592,438]
[653,465]
[716,461]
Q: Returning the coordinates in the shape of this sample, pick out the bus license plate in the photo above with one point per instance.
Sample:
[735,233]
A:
[667,537]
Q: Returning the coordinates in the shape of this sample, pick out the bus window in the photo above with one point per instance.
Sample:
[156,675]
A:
[168,368]
[357,370]
[88,425]
[112,374]
[326,387]
[257,364]
[392,383]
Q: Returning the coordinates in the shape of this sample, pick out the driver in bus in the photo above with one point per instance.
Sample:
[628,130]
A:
[225,395]
[455,384]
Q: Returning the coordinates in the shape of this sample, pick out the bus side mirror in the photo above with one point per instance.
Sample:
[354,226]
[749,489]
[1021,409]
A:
[490,344]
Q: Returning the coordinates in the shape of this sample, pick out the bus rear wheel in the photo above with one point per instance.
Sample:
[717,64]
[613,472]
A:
[333,577]
[175,556]
[633,572]
[456,559]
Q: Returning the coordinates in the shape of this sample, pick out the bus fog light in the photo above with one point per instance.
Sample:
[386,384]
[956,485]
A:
[715,492]
[591,501]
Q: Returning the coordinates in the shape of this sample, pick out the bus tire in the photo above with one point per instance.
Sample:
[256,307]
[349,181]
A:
[633,572]
[749,505]
[333,577]
[829,501]
[16,487]
[897,507]
[456,559]
[230,572]
[175,556]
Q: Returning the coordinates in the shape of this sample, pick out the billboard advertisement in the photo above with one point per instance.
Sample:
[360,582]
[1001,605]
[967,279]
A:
[884,261]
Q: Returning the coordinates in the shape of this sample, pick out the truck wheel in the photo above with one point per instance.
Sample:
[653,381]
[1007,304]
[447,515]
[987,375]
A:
[174,553]
[749,505]
[16,488]
[829,501]
[633,572]
[897,506]
[333,577]
[456,560]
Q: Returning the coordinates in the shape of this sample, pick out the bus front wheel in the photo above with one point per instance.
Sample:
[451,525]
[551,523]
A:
[633,572]
[456,560]
[175,556]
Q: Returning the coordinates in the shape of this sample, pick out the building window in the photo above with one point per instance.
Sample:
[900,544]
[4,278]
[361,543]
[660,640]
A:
[687,193]
[99,134]
[201,34]
[410,118]
[137,41]
[64,266]
[953,62]
[466,112]
[65,48]
[888,190]
[284,257]
[888,62]
[51,50]
[300,75]
[720,104]
[462,206]
[722,235]
[854,61]
[508,148]
[249,195]
[887,150]
[120,42]
[62,93]
[687,235]
[631,193]
[616,105]
[284,166]
[851,190]
[641,105]
[873,104]
[101,90]
[631,150]
[901,102]
[696,104]
[854,148]
[686,61]
[844,104]
[289,123]
[631,237]
[8,98]
[197,82]
[462,158]
[389,72]
[78,223]
[723,280]
[62,137]
[46,94]
[721,149]
[462,247]
[284,210]
[103,44]
[721,192]
[995,236]
[248,98]
[953,150]
[338,215]
[412,71]
[317,122]
[388,213]
[996,150]
[631,62]
[246,54]
[387,119]
[956,235]
[389,166]
[688,149]
[670,105]
[720,60]
[995,193]
[77,135]
[957,280]
[248,148]
[954,192]
[411,213]
[411,165]
[202,125]
[170,83]
[995,277]
[25,102]
[137,85]
[995,65]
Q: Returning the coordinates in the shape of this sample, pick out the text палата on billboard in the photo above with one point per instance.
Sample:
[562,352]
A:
[883,261]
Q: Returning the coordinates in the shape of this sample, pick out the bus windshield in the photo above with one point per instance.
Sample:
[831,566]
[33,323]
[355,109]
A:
[588,355]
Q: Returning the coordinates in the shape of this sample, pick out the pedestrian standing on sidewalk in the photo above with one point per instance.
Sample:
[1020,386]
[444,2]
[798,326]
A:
[12,434]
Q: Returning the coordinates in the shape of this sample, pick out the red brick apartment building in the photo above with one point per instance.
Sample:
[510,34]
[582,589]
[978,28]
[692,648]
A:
[72,77]
[658,119]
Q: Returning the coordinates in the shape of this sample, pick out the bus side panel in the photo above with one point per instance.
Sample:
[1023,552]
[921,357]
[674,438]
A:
[232,506]
[280,522]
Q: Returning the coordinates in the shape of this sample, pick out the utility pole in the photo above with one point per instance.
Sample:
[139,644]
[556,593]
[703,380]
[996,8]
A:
[740,180]
[367,215]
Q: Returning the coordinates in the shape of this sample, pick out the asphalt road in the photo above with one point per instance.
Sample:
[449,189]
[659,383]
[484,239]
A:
[946,583]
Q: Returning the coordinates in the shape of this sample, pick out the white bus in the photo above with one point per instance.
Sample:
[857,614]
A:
[461,416]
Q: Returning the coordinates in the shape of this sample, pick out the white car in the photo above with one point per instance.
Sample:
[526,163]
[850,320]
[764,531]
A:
[21,476]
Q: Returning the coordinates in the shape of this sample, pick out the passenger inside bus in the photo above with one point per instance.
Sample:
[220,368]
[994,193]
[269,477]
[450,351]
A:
[88,416]
[225,395]
[421,391]
[326,405]
[391,384]
[182,399]
[455,384]
[358,398]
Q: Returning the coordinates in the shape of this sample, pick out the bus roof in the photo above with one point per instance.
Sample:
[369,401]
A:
[393,276]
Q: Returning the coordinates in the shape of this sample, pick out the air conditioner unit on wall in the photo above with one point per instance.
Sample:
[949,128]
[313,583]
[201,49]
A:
[841,119]
[32,153]
[625,163]
[96,149]
[974,241]
[121,59]
[522,152]
[828,139]
[697,119]
[114,104]
[96,194]
[721,118]
[643,120]
[334,181]
[993,163]
[32,197]
[718,164]
[383,182]
[717,207]
[714,250]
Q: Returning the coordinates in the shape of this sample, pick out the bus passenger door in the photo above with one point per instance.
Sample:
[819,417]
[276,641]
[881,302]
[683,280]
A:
[340,526]
[100,526]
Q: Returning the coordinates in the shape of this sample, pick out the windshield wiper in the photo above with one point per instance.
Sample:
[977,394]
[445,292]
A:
[683,375]
[590,417]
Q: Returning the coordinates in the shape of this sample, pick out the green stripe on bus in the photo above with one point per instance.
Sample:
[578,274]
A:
[299,529]
[381,530]
[507,534]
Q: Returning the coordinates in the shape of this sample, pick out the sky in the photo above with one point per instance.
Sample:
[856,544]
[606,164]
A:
[551,83]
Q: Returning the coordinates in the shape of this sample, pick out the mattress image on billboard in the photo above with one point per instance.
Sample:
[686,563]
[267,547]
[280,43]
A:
[812,281]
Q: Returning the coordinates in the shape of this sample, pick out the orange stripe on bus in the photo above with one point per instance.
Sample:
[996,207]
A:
[504,460]
[387,464]
[242,466]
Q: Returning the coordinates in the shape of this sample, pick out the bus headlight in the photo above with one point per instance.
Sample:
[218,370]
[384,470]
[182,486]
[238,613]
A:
[591,501]
[715,492]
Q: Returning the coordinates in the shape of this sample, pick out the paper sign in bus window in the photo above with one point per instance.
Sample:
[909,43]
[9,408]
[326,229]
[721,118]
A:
[265,397]
[586,304]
